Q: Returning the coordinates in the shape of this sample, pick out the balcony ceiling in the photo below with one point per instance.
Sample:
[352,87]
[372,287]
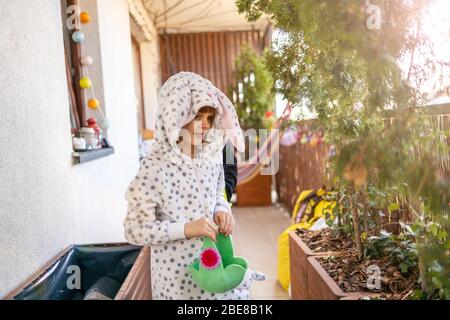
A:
[185,16]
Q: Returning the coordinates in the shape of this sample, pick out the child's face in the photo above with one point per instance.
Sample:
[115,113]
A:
[197,128]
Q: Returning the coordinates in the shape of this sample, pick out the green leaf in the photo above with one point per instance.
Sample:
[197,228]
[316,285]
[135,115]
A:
[393,207]
[433,228]
[442,235]
[415,228]
[409,230]
[418,295]
[385,234]
[437,283]
[446,244]
[403,267]
[436,267]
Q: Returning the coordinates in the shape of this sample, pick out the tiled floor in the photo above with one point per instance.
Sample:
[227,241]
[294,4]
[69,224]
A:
[255,239]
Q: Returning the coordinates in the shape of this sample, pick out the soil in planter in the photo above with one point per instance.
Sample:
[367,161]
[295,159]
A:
[322,241]
[351,274]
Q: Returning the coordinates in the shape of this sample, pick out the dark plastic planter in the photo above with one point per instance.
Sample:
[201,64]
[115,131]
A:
[117,271]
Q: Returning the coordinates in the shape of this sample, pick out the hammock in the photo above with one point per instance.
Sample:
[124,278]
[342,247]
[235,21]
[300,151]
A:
[252,168]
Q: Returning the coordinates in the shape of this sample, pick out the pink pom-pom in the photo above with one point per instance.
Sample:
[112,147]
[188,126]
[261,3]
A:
[210,258]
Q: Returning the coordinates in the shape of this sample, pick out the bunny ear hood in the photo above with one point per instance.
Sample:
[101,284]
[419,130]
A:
[181,97]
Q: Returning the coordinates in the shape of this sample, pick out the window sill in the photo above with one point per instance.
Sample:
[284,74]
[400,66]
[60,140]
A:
[85,156]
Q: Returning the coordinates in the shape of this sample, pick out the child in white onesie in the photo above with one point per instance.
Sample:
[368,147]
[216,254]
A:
[177,197]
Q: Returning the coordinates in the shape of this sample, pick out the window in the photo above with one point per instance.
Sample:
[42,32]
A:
[87,116]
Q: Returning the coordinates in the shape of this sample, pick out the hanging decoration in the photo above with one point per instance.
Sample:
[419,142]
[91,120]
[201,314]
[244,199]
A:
[93,103]
[297,133]
[91,132]
[313,141]
[320,138]
[85,17]
[87,61]
[78,36]
[332,152]
[290,137]
[85,83]
[316,139]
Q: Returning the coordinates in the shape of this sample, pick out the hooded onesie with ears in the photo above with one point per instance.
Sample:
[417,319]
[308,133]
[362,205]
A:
[172,189]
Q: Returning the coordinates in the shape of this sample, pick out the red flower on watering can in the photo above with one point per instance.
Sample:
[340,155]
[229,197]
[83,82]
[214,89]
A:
[210,258]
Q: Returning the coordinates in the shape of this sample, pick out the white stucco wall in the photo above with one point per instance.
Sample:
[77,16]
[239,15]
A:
[151,74]
[46,203]
[144,31]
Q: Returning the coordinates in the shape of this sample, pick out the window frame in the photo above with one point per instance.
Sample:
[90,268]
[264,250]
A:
[77,97]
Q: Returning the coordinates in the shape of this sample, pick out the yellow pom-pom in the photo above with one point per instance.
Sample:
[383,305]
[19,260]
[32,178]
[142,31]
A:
[85,83]
[93,103]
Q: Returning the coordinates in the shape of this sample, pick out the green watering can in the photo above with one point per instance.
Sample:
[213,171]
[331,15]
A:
[217,270]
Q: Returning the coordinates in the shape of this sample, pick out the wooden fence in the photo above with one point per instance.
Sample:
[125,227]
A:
[209,54]
[303,167]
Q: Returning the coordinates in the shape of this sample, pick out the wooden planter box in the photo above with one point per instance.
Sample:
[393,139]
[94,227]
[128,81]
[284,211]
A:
[136,286]
[309,280]
[299,253]
[322,287]
[256,192]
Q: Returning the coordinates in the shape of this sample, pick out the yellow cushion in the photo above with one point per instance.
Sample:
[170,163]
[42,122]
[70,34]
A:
[323,207]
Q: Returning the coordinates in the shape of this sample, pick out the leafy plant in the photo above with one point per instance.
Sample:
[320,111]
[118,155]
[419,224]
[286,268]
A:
[434,252]
[328,60]
[400,249]
[252,94]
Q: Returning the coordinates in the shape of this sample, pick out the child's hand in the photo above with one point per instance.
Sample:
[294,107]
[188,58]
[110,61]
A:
[226,222]
[202,227]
